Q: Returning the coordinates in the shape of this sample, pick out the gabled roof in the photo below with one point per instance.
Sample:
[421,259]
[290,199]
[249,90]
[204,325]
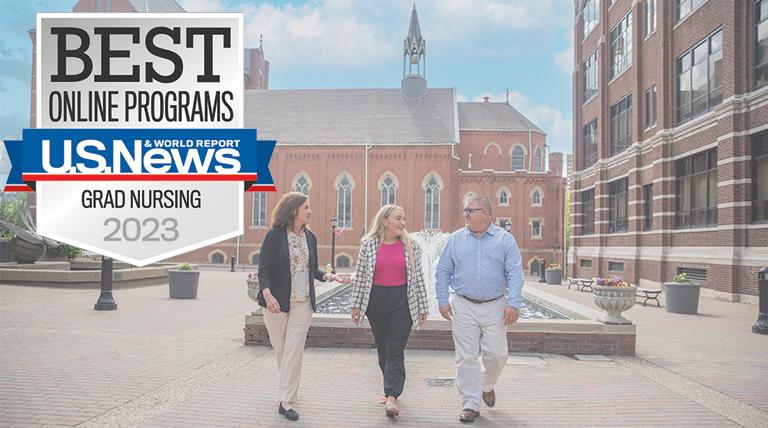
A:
[352,116]
[480,116]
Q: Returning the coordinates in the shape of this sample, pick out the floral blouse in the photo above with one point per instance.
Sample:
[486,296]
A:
[299,254]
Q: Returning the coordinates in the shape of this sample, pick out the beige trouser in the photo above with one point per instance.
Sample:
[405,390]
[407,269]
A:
[287,335]
[478,332]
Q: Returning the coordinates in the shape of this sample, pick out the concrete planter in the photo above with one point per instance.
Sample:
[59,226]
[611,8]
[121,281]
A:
[24,251]
[182,284]
[682,298]
[614,301]
[554,277]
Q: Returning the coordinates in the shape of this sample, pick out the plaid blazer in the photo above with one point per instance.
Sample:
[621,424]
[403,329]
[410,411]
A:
[366,263]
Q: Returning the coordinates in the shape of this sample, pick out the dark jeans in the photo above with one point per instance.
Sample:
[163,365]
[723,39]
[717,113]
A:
[391,323]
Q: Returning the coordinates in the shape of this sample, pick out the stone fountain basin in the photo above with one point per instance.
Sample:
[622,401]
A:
[85,274]
[582,334]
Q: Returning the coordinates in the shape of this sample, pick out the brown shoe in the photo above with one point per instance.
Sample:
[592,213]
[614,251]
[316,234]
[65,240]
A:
[489,398]
[468,415]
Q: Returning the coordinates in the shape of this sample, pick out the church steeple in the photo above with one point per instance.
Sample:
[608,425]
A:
[414,83]
[414,48]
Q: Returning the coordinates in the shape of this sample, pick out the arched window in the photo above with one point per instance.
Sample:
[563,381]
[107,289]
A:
[388,190]
[302,185]
[259,214]
[432,204]
[503,198]
[518,159]
[255,258]
[343,261]
[533,266]
[217,258]
[344,202]
[537,160]
[536,198]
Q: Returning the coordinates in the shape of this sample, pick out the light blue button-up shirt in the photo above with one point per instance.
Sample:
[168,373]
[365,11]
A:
[480,268]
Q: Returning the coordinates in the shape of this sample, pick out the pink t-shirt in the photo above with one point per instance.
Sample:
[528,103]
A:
[390,265]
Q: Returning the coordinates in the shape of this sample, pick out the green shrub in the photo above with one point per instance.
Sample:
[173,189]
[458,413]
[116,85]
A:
[65,250]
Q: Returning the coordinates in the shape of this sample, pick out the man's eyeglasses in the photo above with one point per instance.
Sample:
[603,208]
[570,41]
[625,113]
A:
[469,211]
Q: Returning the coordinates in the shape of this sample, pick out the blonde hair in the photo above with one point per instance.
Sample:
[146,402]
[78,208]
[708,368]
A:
[286,209]
[376,231]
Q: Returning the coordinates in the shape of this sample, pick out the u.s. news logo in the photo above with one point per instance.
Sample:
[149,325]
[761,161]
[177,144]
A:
[139,152]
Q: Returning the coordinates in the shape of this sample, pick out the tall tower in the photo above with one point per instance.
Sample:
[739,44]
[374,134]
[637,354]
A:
[414,83]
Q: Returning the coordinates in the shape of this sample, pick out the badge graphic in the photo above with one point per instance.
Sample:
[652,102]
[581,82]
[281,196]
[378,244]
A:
[139,152]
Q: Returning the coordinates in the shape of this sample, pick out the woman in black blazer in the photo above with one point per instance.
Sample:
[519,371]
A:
[287,270]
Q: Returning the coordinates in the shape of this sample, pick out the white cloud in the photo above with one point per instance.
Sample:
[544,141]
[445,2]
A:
[564,60]
[203,5]
[332,33]
[549,119]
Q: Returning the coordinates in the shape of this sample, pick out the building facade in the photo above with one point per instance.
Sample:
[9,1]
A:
[353,150]
[671,142]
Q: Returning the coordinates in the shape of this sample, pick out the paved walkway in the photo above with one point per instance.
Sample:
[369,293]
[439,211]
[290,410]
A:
[179,363]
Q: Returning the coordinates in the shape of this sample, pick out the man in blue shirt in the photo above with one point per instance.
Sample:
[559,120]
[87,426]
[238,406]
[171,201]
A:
[482,265]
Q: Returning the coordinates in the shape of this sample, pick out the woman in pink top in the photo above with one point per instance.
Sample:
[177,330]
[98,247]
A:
[389,289]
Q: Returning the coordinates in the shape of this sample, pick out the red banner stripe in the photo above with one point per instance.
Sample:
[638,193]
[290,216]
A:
[139,177]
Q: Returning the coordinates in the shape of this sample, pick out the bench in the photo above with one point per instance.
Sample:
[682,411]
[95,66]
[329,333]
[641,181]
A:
[581,283]
[586,283]
[648,294]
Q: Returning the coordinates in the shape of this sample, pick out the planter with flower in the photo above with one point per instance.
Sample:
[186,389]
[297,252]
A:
[554,274]
[682,295]
[614,296]
[183,282]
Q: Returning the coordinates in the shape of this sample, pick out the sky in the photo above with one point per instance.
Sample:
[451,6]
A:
[480,47]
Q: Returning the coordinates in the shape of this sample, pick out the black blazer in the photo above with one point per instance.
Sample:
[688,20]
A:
[275,267]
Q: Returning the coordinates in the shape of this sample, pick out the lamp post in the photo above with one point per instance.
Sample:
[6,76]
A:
[333,244]
[106,302]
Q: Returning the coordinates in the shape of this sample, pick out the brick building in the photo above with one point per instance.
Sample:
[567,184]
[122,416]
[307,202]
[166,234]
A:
[671,142]
[352,150]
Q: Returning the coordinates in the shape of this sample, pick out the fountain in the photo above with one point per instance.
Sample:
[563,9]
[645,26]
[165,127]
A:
[548,323]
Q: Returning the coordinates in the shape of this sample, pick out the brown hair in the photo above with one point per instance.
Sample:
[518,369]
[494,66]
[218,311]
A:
[286,209]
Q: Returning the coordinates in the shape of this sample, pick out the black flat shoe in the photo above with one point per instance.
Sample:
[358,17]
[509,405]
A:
[289,414]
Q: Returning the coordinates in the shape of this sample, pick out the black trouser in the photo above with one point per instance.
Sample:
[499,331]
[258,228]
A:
[391,323]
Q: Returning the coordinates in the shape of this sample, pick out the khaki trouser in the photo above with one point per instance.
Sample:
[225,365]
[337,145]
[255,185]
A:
[478,332]
[287,335]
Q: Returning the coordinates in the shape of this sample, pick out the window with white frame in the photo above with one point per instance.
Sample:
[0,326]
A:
[621,125]
[621,45]
[589,70]
[760,177]
[536,228]
[536,198]
[650,107]
[538,160]
[302,185]
[432,204]
[344,202]
[700,78]
[590,15]
[684,7]
[387,190]
[650,17]
[589,144]
[503,198]
[259,212]
[518,158]
[761,43]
